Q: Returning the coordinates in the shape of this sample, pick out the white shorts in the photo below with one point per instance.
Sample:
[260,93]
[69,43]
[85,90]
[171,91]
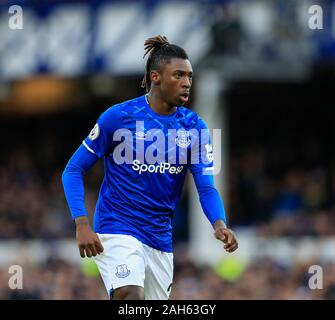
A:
[127,261]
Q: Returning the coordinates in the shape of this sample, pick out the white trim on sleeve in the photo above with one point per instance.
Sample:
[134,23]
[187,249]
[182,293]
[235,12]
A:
[87,147]
[209,168]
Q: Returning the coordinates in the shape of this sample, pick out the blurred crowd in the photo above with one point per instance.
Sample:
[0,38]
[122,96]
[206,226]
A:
[56,279]
[264,279]
[41,211]
[260,279]
[294,202]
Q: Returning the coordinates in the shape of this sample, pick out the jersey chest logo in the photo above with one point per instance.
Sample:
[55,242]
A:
[183,139]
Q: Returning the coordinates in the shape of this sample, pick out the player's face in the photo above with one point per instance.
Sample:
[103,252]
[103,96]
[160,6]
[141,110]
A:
[176,81]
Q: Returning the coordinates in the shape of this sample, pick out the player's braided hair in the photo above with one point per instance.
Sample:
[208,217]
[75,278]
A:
[160,52]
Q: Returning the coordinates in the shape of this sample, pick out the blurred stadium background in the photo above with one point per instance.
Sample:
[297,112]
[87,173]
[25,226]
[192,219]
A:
[261,75]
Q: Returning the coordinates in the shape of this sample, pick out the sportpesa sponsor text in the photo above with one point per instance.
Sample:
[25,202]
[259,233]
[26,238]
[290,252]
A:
[163,167]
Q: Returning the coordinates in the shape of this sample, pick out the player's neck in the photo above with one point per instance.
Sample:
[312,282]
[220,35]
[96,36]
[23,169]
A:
[158,105]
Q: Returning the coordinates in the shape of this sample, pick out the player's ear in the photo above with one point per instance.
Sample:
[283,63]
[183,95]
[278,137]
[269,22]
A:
[155,77]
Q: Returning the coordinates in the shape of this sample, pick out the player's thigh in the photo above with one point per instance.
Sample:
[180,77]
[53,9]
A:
[128,293]
[122,263]
[158,275]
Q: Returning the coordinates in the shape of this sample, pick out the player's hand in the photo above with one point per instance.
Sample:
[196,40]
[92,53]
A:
[88,242]
[227,236]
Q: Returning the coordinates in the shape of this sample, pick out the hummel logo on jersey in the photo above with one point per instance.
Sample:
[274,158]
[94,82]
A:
[140,135]
[160,168]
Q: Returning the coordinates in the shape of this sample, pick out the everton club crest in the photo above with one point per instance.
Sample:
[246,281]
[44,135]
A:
[183,139]
[122,271]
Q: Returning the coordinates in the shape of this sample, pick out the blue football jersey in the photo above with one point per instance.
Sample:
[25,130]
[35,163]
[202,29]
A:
[146,157]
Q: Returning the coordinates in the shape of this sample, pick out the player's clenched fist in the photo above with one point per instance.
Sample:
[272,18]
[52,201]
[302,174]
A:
[88,241]
[226,235]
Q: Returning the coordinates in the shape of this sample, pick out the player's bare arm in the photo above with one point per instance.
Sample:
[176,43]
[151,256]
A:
[88,242]
[227,236]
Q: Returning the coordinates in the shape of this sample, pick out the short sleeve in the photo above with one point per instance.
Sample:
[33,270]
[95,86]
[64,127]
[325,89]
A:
[202,152]
[100,139]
